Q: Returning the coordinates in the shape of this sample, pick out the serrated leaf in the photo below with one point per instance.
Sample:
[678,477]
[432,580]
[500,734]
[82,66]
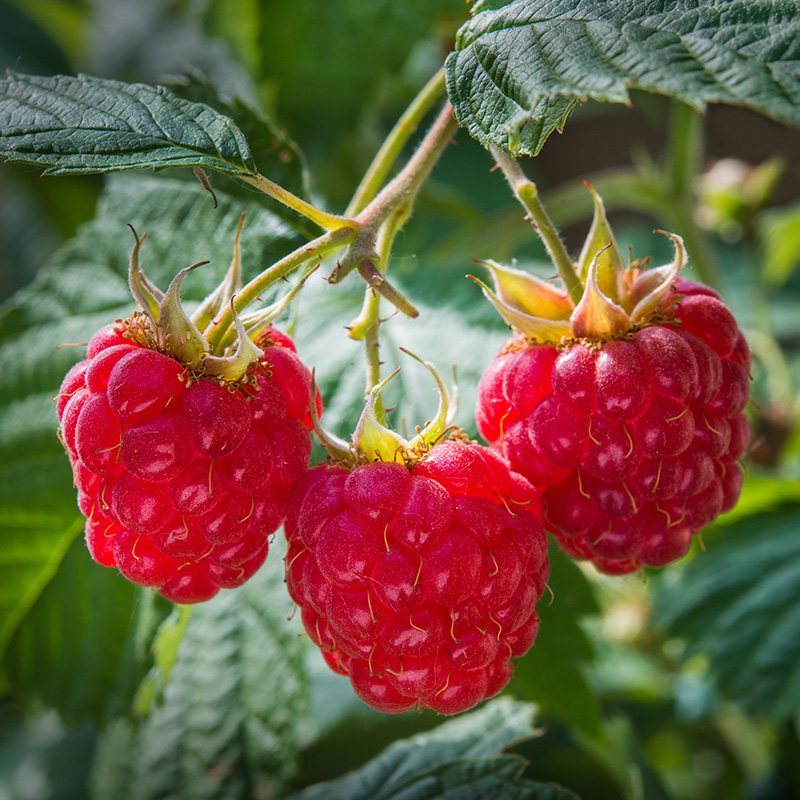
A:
[274,152]
[234,711]
[517,70]
[82,648]
[86,124]
[459,759]
[739,605]
[553,672]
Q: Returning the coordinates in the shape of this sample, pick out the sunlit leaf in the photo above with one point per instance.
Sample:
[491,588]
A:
[519,68]
[86,124]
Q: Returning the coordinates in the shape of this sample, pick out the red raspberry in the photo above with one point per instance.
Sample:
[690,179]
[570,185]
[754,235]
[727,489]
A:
[420,582]
[635,440]
[182,480]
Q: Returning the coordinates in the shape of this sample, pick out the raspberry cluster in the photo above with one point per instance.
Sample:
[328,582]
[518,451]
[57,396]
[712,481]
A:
[183,479]
[420,582]
[635,440]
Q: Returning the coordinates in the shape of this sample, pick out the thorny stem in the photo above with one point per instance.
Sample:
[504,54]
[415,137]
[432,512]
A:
[368,235]
[366,326]
[394,143]
[399,194]
[372,303]
[391,208]
[527,193]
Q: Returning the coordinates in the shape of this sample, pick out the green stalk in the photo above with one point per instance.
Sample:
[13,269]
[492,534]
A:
[399,194]
[322,218]
[221,329]
[403,130]
[527,193]
[382,218]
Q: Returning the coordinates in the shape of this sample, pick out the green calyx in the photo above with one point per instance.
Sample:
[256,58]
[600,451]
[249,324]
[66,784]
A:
[200,342]
[373,440]
[615,298]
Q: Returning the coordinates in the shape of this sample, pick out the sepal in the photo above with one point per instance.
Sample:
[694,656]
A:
[337,448]
[372,439]
[601,247]
[529,294]
[535,328]
[598,316]
[434,431]
[176,332]
[147,296]
[234,367]
[651,286]
[231,284]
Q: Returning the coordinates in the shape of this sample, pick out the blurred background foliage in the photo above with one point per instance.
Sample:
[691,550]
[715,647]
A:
[681,684]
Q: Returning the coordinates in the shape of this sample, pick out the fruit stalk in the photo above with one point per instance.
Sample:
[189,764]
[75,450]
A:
[527,193]
[221,329]
[322,218]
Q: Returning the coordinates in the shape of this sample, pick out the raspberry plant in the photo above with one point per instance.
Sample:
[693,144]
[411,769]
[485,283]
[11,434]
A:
[412,556]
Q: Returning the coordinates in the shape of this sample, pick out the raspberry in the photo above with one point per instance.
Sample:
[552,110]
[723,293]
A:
[631,418]
[183,479]
[419,580]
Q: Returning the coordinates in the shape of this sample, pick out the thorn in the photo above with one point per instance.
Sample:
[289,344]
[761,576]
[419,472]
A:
[203,178]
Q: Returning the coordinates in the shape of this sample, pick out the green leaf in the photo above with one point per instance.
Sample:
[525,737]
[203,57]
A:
[82,649]
[552,672]
[519,69]
[32,550]
[235,709]
[86,124]
[276,155]
[739,605]
[459,759]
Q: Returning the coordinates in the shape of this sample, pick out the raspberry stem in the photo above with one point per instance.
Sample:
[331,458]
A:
[527,193]
[318,248]
[394,143]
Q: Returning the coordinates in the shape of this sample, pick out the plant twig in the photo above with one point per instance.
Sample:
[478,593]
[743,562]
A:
[318,248]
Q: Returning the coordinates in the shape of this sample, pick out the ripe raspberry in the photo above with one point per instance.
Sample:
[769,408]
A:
[186,435]
[420,584]
[183,480]
[417,565]
[632,422]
